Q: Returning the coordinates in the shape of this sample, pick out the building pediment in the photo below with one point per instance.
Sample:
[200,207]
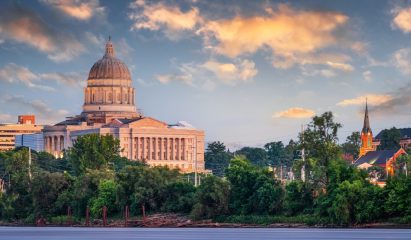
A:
[148,122]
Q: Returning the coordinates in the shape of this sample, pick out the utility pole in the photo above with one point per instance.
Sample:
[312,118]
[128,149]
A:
[30,163]
[302,154]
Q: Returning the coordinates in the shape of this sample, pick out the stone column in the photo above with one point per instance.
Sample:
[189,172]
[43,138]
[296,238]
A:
[154,151]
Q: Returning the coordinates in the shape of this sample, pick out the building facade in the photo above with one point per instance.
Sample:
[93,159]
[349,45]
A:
[110,108]
[8,132]
[33,141]
[369,156]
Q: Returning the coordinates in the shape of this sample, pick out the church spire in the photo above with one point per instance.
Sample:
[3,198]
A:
[366,127]
[109,48]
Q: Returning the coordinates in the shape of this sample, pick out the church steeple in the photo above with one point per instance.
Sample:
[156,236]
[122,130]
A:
[366,134]
[366,127]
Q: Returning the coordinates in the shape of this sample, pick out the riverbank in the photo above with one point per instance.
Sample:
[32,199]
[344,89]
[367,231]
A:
[183,221]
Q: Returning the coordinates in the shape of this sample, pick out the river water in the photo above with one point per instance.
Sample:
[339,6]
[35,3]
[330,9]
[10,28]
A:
[67,233]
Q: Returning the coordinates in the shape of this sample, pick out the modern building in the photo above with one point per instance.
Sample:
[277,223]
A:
[8,132]
[110,108]
[34,141]
[369,156]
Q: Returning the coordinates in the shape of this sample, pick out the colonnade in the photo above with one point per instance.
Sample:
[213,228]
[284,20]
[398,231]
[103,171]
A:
[54,144]
[162,148]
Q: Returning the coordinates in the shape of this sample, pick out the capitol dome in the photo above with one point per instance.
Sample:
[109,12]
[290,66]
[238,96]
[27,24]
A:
[109,66]
[109,88]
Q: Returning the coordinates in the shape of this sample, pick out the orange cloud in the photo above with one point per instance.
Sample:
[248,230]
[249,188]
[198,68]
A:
[231,72]
[24,26]
[373,99]
[286,31]
[295,112]
[81,10]
[156,16]
[402,19]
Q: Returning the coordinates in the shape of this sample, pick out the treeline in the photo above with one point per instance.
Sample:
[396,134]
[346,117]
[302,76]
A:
[92,175]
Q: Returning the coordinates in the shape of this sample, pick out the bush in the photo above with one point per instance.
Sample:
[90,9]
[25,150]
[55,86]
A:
[106,197]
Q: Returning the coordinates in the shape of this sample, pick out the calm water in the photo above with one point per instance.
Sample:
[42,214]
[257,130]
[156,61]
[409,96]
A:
[20,233]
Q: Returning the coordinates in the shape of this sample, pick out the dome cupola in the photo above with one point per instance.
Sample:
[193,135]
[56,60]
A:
[109,89]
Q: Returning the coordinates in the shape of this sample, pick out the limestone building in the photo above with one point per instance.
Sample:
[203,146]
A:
[110,108]
[9,131]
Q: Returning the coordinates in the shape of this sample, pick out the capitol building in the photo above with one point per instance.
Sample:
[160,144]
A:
[110,108]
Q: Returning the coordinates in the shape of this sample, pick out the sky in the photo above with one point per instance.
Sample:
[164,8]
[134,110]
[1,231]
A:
[246,72]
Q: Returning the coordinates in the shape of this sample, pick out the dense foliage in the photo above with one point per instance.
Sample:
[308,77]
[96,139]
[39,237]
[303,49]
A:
[245,187]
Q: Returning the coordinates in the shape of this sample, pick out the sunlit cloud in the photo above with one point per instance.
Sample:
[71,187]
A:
[78,9]
[341,66]
[402,19]
[284,32]
[160,16]
[231,73]
[207,74]
[24,26]
[372,99]
[295,112]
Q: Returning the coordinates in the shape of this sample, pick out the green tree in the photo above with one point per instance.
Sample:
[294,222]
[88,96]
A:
[352,144]
[179,197]
[211,198]
[390,139]
[253,189]
[398,201]
[257,156]
[93,151]
[320,142]
[106,196]
[45,190]
[217,158]
[298,198]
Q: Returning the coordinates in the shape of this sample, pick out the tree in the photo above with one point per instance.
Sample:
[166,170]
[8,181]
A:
[390,139]
[257,156]
[211,198]
[253,189]
[45,190]
[398,201]
[179,197]
[352,145]
[320,141]
[298,198]
[217,158]
[106,196]
[93,151]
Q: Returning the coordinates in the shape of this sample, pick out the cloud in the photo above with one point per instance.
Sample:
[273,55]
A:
[367,76]
[399,103]
[373,99]
[295,112]
[79,9]
[290,36]
[318,72]
[39,107]
[341,66]
[212,71]
[402,60]
[25,26]
[12,73]
[69,79]
[160,16]
[402,19]
[231,73]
